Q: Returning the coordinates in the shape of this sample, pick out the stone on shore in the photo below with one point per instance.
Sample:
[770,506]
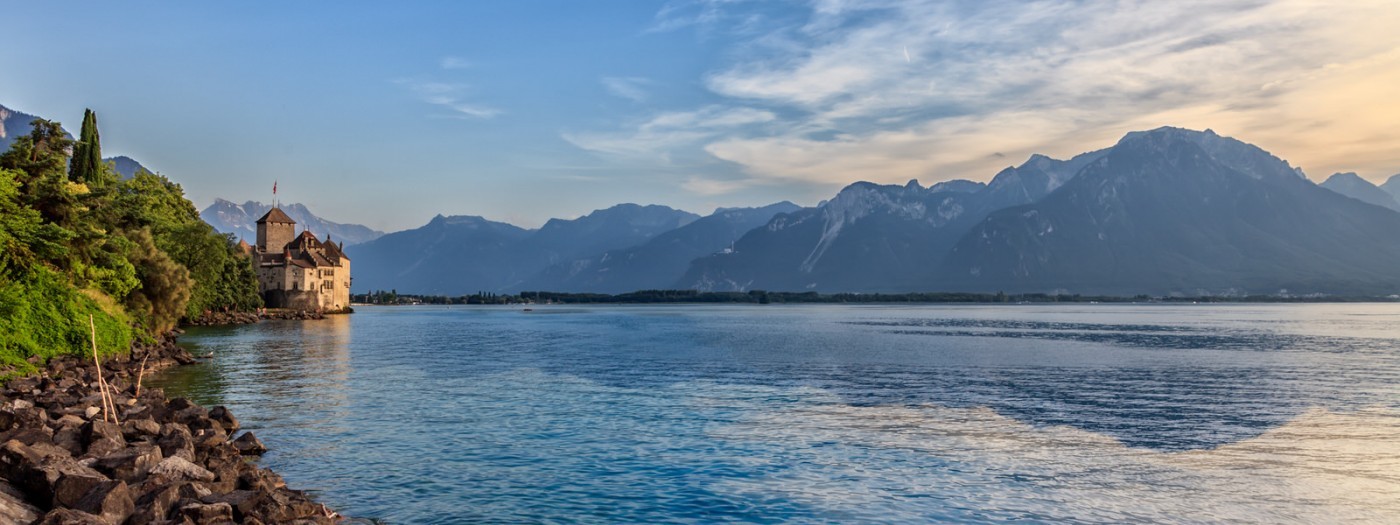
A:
[63,460]
[180,469]
[249,445]
[13,508]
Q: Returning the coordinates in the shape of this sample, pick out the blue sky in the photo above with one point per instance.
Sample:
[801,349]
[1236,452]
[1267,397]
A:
[387,114]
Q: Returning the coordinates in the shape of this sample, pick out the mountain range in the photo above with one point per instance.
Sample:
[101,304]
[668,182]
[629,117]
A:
[1178,211]
[468,254]
[1166,211]
[241,221]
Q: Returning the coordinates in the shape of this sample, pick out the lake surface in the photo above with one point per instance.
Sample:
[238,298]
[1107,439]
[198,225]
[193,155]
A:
[825,414]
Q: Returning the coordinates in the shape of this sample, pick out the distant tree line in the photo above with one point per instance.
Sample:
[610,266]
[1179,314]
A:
[767,297]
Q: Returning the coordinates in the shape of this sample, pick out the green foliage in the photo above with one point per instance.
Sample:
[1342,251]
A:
[43,315]
[151,201]
[44,150]
[165,285]
[24,237]
[86,165]
[75,240]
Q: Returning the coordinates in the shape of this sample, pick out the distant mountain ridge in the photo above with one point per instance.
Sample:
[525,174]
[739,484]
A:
[13,124]
[1179,211]
[468,254]
[241,221]
[658,262]
[871,236]
[126,166]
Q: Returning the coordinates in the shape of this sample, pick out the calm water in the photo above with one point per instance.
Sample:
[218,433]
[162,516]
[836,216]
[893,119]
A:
[837,414]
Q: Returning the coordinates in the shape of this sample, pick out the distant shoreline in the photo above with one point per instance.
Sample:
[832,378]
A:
[765,297]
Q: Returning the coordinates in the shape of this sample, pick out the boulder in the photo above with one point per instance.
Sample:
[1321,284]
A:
[242,501]
[261,479]
[70,439]
[208,514]
[225,418]
[13,508]
[156,503]
[29,435]
[134,429]
[31,416]
[176,440]
[65,516]
[193,417]
[71,488]
[109,500]
[176,468]
[70,421]
[249,445]
[132,464]
[97,429]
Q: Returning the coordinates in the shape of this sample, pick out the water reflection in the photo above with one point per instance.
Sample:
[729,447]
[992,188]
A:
[867,414]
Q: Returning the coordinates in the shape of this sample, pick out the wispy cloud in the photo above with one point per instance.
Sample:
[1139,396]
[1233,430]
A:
[711,186]
[451,62]
[660,136]
[888,90]
[450,96]
[630,88]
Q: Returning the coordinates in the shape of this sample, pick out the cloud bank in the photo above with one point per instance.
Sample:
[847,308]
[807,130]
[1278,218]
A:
[889,90]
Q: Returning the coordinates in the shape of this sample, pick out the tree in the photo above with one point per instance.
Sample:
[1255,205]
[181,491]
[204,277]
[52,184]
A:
[86,166]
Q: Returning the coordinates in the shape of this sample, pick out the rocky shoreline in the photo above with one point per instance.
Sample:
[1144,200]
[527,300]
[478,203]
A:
[163,461]
[234,318]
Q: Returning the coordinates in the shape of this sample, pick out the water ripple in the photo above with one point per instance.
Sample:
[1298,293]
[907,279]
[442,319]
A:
[826,414]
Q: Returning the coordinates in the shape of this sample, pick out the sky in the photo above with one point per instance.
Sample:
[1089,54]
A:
[387,114]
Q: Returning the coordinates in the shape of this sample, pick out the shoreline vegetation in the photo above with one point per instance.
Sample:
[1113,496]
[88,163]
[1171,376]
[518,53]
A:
[391,298]
[96,273]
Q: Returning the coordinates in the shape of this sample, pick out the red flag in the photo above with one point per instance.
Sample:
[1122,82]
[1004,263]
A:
[274,187]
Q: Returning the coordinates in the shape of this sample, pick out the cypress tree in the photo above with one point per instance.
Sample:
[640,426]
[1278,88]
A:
[86,166]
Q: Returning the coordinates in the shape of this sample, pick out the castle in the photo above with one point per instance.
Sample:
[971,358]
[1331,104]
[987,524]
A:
[299,271]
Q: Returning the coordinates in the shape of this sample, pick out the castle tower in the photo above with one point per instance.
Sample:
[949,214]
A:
[275,230]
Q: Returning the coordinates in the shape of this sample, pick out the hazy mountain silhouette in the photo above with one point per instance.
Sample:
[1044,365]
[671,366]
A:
[659,262]
[241,221]
[1179,211]
[464,255]
[1352,185]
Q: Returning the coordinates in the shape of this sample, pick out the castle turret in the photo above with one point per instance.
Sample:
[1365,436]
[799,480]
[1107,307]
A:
[275,230]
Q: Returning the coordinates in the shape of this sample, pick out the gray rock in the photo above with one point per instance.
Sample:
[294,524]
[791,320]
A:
[177,468]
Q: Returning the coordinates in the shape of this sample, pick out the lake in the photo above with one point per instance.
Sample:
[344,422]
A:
[824,413]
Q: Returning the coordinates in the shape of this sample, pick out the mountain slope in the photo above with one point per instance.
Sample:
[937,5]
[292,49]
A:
[464,255]
[1352,185]
[620,226]
[659,262]
[241,221]
[1392,186]
[872,237]
[449,255]
[13,124]
[126,166]
[1179,211]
